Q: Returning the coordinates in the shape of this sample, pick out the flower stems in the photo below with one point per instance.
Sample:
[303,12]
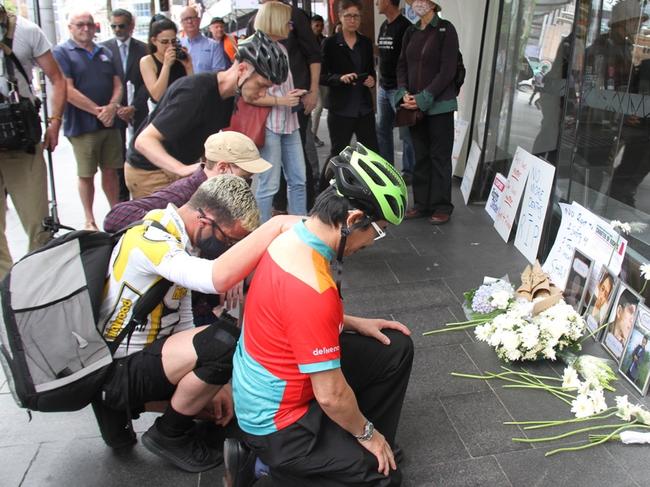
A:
[567,434]
[530,425]
[590,444]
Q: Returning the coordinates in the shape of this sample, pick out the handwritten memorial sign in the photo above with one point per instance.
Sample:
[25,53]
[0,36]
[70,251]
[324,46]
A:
[496,193]
[470,171]
[587,232]
[533,208]
[514,190]
[460,132]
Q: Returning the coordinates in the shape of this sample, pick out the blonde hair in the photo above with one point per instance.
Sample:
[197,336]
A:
[228,199]
[273,19]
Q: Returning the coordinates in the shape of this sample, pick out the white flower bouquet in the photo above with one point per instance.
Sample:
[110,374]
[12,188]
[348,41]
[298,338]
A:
[518,335]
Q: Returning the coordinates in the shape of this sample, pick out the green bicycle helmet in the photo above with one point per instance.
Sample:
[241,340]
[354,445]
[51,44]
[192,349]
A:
[371,183]
[265,56]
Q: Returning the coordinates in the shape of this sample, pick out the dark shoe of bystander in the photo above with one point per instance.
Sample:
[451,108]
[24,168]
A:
[415,213]
[239,464]
[439,218]
[186,452]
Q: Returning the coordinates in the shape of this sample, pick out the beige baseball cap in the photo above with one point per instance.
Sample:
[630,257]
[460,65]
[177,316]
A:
[235,148]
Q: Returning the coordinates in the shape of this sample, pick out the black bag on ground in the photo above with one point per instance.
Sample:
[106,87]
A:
[53,353]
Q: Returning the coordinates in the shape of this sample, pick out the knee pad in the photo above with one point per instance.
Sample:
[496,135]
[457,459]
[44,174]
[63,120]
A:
[214,348]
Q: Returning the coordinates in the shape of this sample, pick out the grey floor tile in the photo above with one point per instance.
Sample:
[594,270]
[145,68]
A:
[593,467]
[382,300]
[479,418]
[422,268]
[427,436]
[17,429]
[84,462]
[15,461]
[427,319]
[476,472]
[431,376]
[359,274]
[633,459]
[387,248]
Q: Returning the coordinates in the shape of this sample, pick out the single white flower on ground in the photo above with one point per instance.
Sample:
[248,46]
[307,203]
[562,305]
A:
[582,406]
[623,227]
[570,378]
[624,408]
[597,398]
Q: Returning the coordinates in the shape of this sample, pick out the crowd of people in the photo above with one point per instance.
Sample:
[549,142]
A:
[316,404]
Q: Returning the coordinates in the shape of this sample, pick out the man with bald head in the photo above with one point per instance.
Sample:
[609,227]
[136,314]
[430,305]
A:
[94,95]
[207,55]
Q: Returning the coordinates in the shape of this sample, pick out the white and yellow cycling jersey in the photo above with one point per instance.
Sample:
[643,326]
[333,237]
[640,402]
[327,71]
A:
[143,256]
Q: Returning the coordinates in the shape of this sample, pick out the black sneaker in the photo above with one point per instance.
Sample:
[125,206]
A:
[186,452]
[239,463]
[115,426]
[318,142]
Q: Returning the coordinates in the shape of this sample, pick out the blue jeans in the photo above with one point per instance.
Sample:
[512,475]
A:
[385,121]
[284,152]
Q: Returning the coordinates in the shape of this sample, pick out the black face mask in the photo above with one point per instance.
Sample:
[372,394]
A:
[211,247]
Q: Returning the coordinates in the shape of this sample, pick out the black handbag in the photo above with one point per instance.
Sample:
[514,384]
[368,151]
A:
[20,124]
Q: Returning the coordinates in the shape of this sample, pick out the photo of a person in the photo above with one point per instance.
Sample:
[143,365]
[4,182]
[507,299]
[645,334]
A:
[576,282]
[598,307]
[635,365]
[621,320]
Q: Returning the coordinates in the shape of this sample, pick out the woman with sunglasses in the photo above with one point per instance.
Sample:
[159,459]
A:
[163,66]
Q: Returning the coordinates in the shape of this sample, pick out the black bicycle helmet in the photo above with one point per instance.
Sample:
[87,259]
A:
[265,56]
[371,183]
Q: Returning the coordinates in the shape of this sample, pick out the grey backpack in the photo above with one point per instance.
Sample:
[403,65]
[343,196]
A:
[53,354]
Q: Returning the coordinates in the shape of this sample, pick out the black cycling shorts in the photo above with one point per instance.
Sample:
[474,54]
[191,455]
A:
[137,379]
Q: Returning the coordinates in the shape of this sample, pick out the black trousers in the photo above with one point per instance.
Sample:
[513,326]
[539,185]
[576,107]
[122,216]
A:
[342,128]
[433,142]
[317,452]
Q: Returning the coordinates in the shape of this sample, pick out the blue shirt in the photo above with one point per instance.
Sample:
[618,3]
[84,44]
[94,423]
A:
[92,74]
[207,55]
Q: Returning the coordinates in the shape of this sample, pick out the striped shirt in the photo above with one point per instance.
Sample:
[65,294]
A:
[282,120]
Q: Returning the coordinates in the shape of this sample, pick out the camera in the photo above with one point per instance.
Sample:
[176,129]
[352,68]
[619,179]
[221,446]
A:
[181,55]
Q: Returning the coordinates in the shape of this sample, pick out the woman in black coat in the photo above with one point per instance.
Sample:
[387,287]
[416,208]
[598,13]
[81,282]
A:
[348,69]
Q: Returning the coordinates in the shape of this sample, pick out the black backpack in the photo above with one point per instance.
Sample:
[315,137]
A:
[52,351]
[459,78]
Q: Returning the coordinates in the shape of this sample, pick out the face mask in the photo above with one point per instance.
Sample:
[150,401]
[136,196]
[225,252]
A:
[211,247]
[422,8]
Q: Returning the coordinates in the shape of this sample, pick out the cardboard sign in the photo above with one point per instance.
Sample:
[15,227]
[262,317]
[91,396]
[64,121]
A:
[496,193]
[470,171]
[587,232]
[517,176]
[533,208]
[460,132]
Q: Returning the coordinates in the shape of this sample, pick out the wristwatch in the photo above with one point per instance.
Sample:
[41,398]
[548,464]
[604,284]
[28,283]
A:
[368,431]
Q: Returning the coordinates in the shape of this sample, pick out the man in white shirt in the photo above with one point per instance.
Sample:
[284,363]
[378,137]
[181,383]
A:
[23,174]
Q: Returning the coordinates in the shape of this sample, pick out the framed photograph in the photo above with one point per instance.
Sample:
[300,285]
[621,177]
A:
[576,283]
[621,320]
[604,291]
[635,364]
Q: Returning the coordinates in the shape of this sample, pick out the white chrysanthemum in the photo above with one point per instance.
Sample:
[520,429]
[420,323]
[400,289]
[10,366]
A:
[513,355]
[624,408]
[529,334]
[570,378]
[549,353]
[597,399]
[620,226]
[510,340]
[645,271]
[500,299]
[483,332]
[582,406]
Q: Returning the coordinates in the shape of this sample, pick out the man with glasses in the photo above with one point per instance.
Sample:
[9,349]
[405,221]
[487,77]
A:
[127,52]
[207,55]
[317,406]
[167,359]
[94,96]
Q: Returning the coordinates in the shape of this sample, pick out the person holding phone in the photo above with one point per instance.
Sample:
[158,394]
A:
[348,69]
[282,144]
